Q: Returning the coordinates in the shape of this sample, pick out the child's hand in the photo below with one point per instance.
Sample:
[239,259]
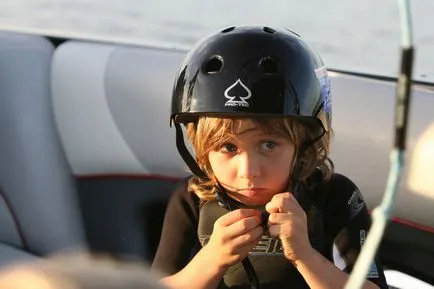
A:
[288,222]
[234,235]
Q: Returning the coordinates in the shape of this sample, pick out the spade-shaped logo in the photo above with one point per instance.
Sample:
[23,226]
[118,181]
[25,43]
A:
[237,94]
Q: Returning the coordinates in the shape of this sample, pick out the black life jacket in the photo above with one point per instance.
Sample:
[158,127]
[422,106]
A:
[272,268]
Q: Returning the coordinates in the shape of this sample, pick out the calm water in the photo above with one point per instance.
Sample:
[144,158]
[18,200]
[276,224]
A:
[352,35]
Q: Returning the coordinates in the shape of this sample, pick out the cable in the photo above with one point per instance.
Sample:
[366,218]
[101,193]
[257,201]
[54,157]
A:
[381,214]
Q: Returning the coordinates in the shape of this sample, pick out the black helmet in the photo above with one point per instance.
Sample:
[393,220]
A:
[252,71]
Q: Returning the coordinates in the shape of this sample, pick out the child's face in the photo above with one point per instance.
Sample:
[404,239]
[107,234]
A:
[253,166]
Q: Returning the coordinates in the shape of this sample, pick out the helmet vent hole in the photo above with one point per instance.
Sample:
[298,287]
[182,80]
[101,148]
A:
[229,29]
[268,65]
[213,65]
[269,30]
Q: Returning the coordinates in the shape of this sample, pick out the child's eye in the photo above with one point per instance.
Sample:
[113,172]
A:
[229,147]
[268,145]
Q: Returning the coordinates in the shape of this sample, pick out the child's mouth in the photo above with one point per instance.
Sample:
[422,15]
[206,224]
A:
[251,192]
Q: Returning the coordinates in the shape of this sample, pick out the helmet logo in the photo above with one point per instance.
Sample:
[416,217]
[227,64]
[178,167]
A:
[235,97]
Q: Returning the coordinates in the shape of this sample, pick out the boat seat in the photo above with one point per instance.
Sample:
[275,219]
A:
[39,212]
[111,104]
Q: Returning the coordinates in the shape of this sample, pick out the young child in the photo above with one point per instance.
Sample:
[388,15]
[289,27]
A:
[264,208]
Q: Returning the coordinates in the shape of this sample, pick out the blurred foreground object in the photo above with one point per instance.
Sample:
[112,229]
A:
[78,271]
[421,179]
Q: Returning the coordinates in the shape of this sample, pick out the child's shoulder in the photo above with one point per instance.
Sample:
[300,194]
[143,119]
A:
[341,191]
[336,182]
[341,181]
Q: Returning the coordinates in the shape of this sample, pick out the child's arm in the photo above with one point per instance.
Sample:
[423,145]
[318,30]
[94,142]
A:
[234,236]
[321,273]
[288,222]
[201,272]
[178,239]
[348,223]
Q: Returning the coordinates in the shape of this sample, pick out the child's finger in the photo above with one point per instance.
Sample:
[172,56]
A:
[252,236]
[274,230]
[278,204]
[242,226]
[280,218]
[271,208]
[281,203]
[236,215]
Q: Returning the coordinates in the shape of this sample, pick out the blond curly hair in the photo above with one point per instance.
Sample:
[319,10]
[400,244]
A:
[209,133]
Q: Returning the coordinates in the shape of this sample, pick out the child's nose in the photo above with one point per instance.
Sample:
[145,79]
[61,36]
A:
[248,166]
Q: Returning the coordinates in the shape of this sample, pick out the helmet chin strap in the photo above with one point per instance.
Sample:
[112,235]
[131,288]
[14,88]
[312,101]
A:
[223,198]
[185,154]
